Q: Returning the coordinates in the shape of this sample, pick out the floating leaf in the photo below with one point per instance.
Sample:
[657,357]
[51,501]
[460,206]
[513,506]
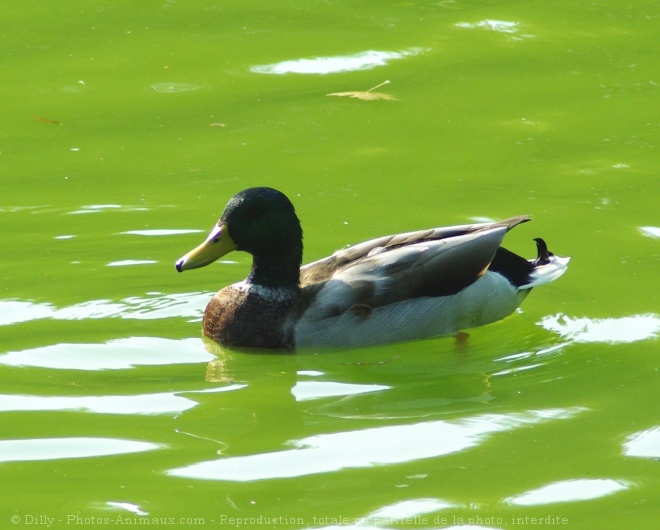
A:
[366,95]
[47,120]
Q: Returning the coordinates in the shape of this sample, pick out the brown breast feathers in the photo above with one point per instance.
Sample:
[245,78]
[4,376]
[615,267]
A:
[249,317]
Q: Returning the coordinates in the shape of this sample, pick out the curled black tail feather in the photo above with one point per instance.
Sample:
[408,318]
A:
[544,254]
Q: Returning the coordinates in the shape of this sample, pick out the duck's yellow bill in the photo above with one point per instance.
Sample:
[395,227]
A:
[217,244]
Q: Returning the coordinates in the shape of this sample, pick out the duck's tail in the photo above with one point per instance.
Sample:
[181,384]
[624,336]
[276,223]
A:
[526,274]
[546,267]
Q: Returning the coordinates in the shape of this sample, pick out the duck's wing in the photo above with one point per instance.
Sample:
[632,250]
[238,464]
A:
[436,262]
[324,269]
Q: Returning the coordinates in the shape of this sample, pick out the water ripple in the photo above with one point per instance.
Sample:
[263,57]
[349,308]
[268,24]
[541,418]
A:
[644,444]
[570,491]
[650,231]
[611,330]
[340,63]
[157,403]
[325,453]
[500,26]
[59,448]
[174,88]
[151,307]
[308,390]
[115,354]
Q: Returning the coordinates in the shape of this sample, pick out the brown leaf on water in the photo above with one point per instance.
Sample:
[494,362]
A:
[366,95]
[47,120]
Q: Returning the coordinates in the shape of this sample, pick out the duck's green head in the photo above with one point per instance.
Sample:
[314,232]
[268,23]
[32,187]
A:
[261,221]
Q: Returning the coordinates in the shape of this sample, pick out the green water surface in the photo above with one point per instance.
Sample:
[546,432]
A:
[126,127]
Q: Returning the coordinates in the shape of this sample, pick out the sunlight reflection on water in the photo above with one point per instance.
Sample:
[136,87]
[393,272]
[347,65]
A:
[613,330]
[644,444]
[173,87]
[164,402]
[570,491]
[59,448]
[116,354]
[650,231]
[152,307]
[326,453]
[157,403]
[308,390]
[341,63]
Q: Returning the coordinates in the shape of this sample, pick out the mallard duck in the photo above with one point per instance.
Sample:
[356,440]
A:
[395,288]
